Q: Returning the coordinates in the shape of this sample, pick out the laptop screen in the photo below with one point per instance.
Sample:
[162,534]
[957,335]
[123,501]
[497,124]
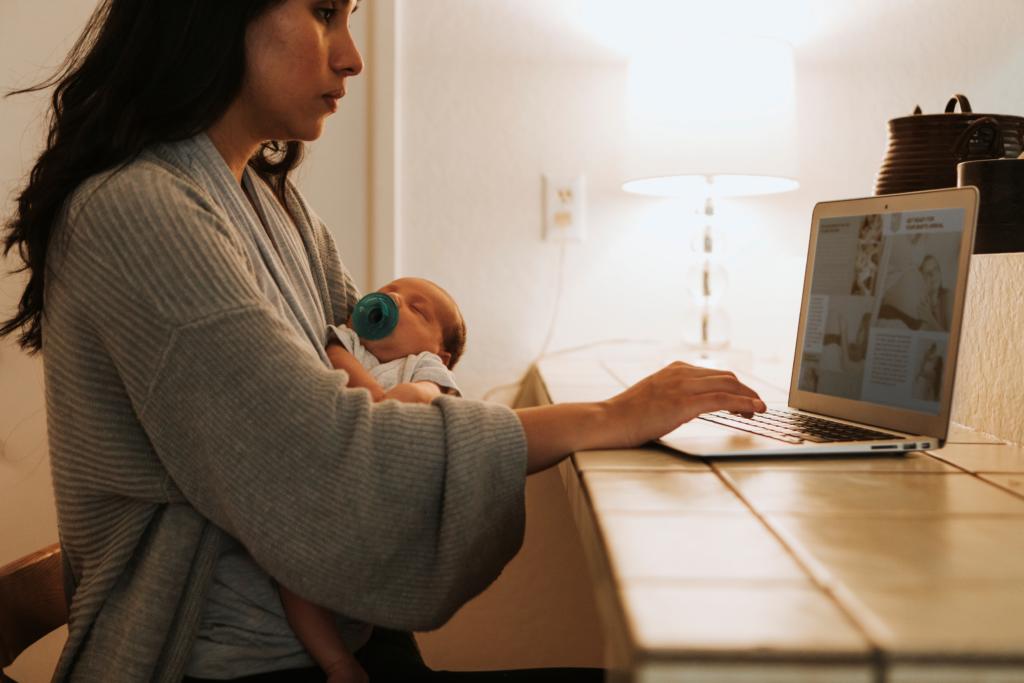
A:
[880,308]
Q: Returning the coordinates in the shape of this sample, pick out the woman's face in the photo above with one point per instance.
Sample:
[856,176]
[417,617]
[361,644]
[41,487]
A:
[298,55]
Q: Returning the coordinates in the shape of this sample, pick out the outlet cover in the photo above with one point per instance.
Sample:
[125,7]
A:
[564,219]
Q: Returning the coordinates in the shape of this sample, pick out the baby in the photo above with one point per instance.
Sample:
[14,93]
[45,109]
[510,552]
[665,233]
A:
[411,364]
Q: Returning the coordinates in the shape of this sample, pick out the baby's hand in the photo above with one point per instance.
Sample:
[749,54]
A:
[348,674]
[414,392]
[346,670]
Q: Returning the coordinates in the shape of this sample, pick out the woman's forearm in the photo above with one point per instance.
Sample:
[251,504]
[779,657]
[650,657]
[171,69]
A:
[555,431]
[649,409]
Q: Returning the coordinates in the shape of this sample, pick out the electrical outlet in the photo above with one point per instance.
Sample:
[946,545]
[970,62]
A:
[564,220]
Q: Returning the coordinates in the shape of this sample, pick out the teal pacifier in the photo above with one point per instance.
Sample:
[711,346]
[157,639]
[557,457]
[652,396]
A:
[375,316]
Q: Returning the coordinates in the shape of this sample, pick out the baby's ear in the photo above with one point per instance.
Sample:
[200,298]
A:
[445,357]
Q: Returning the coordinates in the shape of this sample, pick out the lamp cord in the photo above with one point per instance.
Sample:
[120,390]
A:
[544,353]
[559,284]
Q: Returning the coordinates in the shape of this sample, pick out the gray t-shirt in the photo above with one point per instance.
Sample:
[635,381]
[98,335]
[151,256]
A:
[244,624]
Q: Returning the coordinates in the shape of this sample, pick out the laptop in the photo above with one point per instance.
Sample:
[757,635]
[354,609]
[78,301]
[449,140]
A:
[878,334]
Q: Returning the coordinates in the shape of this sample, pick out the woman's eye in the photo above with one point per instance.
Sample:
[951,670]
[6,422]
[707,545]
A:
[326,13]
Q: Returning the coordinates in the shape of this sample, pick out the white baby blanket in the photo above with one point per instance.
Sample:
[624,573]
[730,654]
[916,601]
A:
[421,367]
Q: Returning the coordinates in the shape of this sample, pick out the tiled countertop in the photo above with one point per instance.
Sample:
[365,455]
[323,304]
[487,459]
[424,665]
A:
[893,568]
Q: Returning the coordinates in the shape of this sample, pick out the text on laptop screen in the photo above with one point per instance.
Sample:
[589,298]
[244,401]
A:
[880,307]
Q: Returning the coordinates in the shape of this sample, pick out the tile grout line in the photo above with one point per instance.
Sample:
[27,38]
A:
[980,475]
[878,661]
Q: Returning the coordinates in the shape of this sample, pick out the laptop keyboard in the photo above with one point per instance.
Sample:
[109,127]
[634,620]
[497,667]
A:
[793,427]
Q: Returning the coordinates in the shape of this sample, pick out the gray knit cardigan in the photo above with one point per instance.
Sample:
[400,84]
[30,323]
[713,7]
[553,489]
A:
[185,403]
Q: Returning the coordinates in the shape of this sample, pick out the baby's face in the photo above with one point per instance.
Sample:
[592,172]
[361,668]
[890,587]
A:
[424,313]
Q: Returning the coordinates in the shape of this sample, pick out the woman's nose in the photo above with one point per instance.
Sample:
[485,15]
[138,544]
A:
[345,57]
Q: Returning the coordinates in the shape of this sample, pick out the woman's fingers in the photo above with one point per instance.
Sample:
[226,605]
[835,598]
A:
[691,380]
[695,370]
[714,401]
[717,383]
[690,372]
[676,394]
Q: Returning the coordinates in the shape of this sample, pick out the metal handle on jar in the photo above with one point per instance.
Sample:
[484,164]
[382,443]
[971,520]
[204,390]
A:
[996,148]
[965,106]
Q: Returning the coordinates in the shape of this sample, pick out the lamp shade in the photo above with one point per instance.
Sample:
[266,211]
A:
[721,109]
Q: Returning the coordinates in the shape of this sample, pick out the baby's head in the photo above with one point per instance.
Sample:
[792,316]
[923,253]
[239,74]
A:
[428,320]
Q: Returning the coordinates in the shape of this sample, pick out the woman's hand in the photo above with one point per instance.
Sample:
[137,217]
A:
[414,392]
[647,410]
[656,405]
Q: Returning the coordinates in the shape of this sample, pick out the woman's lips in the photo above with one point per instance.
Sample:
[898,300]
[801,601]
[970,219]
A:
[331,99]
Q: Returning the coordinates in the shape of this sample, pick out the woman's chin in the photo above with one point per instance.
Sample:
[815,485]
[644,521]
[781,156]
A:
[315,131]
[306,132]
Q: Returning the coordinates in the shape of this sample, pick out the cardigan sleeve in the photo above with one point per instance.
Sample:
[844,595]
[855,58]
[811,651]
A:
[394,514]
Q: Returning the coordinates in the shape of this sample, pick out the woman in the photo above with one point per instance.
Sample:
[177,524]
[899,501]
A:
[202,449]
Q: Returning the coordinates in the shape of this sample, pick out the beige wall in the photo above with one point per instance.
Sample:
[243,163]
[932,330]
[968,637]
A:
[493,94]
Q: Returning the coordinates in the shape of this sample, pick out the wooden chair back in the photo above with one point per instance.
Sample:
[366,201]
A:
[31,602]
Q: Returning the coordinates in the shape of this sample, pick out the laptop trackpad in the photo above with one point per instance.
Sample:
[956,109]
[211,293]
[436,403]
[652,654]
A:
[701,437]
[696,428]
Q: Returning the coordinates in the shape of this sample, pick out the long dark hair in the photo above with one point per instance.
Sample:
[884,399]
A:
[142,72]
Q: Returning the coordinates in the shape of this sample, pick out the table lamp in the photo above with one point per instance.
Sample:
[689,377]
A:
[707,120]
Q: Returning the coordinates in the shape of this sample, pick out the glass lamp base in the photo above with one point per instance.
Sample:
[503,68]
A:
[710,333]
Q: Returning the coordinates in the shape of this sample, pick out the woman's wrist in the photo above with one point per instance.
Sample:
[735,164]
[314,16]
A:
[606,429]
[555,431]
